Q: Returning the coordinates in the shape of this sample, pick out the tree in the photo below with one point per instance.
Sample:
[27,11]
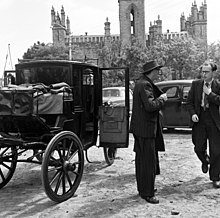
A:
[133,56]
[108,57]
[46,52]
[180,55]
[214,55]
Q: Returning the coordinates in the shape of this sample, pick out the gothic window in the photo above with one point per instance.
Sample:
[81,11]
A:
[58,35]
[201,32]
[132,22]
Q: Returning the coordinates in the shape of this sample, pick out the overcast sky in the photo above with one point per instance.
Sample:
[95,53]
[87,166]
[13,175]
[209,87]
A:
[24,22]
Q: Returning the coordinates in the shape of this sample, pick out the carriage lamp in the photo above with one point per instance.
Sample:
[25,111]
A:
[88,77]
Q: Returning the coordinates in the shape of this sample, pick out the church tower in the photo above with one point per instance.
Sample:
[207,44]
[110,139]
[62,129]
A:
[107,33]
[196,23]
[199,21]
[132,21]
[60,30]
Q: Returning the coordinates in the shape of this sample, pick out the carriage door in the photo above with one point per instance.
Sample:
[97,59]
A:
[114,111]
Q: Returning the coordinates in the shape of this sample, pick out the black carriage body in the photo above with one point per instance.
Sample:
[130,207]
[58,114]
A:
[35,113]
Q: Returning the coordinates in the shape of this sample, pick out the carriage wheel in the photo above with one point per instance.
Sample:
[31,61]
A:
[62,166]
[110,155]
[8,163]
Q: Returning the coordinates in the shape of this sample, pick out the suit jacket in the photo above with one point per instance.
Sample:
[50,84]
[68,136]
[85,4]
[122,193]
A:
[145,112]
[195,98]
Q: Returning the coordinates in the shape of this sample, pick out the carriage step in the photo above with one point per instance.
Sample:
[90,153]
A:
[19,142]
[35,145]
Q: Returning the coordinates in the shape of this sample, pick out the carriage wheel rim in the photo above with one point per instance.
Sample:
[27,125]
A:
[68,171]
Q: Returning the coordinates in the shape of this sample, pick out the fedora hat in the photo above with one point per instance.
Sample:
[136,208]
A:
[151,65]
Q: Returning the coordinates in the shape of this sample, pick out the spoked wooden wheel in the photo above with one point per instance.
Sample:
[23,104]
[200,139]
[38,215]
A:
[62,166]
[110,155]
[8,163]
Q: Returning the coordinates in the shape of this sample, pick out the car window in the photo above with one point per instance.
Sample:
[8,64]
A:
[186,91]
[122,93]
[111,93]
[172,91]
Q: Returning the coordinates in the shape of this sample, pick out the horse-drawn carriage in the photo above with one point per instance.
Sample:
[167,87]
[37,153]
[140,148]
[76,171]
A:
[52,113]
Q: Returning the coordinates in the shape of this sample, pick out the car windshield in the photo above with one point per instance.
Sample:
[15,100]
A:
[111,93]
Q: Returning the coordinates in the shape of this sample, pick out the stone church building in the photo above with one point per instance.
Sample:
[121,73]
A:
[132,24]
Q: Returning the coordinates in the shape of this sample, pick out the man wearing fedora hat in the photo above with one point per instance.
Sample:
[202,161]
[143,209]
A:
[148,99]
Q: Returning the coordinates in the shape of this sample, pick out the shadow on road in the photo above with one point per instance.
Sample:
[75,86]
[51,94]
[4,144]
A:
[185,189]
[24,195]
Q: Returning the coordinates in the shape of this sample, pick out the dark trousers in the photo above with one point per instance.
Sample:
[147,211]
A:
[145,165]
[202,131]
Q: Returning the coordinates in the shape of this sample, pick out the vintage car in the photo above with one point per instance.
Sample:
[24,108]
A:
[116,96]
[174,113]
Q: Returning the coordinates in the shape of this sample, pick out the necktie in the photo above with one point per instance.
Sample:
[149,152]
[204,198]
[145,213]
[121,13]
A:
[205,98]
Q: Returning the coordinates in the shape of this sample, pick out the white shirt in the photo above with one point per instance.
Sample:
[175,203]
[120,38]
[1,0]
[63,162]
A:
[203,93]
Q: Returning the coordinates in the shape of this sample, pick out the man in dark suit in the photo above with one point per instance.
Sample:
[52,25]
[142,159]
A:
[148,99]
[203,105]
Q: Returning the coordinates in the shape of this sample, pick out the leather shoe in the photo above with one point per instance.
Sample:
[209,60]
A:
[152,200]
[216,184]
[205,167]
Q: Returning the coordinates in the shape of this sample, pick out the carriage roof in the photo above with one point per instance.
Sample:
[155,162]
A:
[73,62]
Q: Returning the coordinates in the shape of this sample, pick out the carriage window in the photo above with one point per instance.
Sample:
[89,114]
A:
[88,92]
[9,77]
[27,76]
[44,74]
[51,75]
[88,77]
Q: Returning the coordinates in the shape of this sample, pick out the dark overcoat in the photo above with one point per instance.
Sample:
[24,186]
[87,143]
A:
[145,112]
[195,97]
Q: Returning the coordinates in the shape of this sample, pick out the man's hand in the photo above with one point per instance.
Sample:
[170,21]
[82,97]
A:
[195,118]
[164,96]
[207,90]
